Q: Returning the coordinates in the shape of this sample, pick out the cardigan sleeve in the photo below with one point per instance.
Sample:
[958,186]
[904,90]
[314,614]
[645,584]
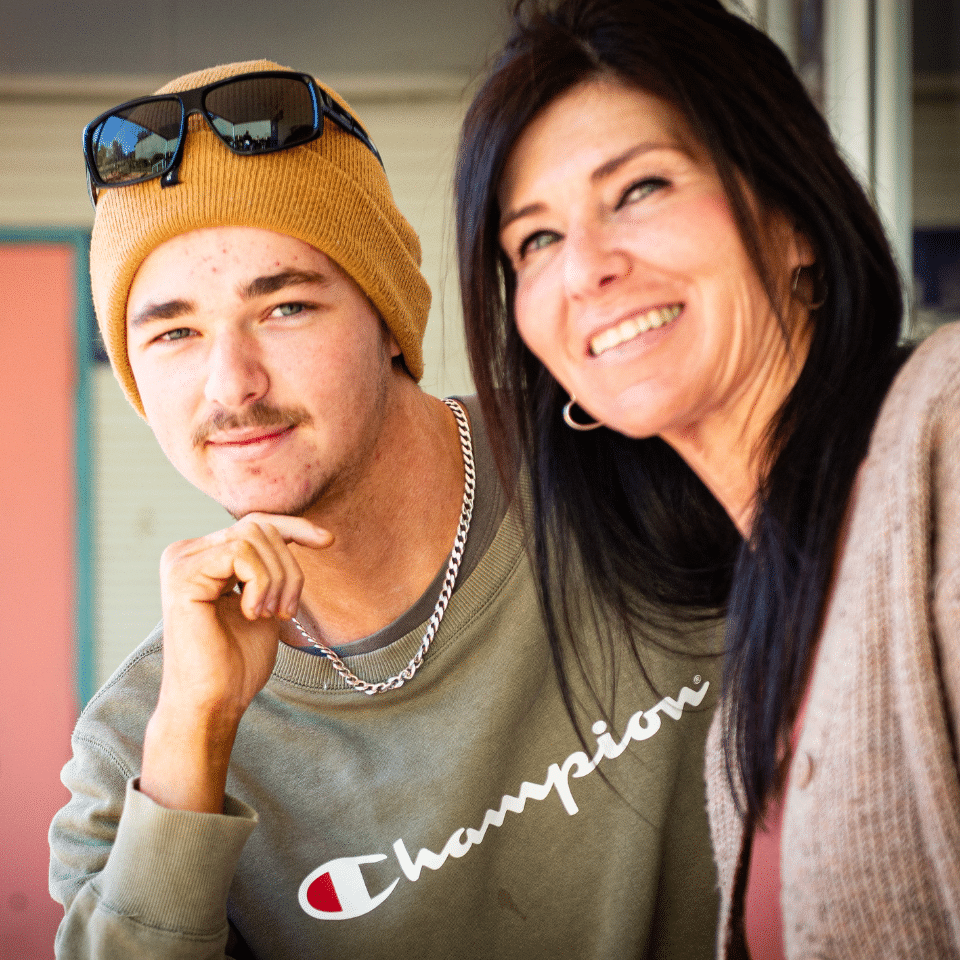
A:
[945,572]
[929,652]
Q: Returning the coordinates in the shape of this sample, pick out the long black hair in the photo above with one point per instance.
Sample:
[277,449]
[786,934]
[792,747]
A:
[648,534]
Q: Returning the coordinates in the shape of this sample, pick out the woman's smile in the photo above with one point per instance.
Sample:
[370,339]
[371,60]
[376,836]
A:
[632,327]
[633,285]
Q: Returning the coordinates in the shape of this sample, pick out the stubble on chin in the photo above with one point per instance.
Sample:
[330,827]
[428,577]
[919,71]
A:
[306,502]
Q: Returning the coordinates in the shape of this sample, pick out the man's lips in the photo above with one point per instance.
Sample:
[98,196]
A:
[249,438]
[262,422]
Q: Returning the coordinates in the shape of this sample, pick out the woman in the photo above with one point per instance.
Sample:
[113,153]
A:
[657,236]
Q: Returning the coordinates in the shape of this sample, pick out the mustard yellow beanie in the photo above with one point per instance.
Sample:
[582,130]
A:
[331,193]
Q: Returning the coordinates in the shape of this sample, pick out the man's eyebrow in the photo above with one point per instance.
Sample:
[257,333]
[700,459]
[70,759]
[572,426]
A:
[264,286]
[160,311]
[258,287]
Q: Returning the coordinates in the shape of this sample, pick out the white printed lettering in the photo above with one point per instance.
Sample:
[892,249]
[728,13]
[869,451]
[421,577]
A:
[336,891]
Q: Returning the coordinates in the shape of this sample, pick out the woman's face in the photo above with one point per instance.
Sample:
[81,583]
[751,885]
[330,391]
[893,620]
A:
[632,284]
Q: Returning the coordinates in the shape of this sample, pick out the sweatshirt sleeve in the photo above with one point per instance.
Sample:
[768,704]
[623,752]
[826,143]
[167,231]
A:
[137,879]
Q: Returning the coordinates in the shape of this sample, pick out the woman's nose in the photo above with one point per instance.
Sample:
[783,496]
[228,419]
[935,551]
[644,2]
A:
[592,259]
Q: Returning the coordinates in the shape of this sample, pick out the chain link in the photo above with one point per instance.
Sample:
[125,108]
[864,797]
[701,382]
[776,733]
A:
[446,591]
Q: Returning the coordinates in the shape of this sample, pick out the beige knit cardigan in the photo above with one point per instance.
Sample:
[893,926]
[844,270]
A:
[871,831]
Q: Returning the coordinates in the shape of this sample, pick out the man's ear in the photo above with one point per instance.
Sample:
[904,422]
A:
[390,340]
[395,353]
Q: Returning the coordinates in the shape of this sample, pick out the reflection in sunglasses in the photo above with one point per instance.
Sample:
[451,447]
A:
[251,114]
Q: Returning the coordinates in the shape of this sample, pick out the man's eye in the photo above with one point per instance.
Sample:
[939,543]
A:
[180,333]
[288,309]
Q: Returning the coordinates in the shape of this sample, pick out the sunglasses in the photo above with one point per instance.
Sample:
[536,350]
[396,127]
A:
[251,113]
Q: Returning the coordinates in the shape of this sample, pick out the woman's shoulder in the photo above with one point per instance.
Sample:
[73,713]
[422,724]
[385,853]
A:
[934,364]
[926,389]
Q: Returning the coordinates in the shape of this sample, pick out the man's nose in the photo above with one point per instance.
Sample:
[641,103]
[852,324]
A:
[236,375]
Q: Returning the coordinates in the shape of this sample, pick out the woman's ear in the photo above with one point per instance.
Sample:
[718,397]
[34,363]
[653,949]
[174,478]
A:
[801,253]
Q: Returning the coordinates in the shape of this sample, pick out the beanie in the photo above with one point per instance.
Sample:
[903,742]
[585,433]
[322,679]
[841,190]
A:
[331,193]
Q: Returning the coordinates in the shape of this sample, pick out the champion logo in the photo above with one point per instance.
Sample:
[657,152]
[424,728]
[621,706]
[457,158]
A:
[337,890]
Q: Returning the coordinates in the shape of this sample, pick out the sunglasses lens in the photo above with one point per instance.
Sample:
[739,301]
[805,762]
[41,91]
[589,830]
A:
[260,114]
[137,142]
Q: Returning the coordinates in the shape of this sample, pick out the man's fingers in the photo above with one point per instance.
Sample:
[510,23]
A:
[254,552]
[284,578]
[285,598]
[292,529]
[261,572]
[279,594]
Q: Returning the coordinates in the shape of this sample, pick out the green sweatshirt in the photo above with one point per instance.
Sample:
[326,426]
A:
[458,816]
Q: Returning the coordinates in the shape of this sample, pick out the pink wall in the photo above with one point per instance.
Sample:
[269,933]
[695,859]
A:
[37,671]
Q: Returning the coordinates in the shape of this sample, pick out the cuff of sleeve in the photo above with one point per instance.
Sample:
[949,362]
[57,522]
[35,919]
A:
[173,868]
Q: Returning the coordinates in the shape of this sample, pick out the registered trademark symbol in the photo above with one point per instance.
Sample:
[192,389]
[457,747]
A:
[696,679]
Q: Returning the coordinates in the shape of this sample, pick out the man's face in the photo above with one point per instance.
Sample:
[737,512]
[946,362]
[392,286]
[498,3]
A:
[264,371]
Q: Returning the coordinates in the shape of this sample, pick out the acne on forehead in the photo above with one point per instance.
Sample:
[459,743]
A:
[213,248]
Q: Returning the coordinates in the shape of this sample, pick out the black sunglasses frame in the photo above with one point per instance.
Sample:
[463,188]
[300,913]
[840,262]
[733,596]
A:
[193,101]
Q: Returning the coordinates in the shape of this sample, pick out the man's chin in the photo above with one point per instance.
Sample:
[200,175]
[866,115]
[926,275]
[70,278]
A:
[277,507]
[269,509]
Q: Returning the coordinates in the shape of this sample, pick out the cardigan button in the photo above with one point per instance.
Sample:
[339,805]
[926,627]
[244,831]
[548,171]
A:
[802,769]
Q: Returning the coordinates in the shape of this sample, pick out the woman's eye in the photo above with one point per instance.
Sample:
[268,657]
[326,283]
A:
[537,241]
[642,188]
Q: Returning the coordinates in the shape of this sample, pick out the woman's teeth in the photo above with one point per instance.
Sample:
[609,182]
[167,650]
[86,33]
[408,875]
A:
[627,330]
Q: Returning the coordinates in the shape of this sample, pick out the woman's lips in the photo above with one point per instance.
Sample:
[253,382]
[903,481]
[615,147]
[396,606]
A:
[632,327]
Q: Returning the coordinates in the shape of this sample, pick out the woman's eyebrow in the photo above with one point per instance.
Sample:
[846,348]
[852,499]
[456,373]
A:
[512,215]
[615,163]
[606,169]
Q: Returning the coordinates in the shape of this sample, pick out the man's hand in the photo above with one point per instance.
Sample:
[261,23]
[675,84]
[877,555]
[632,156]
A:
[219,646]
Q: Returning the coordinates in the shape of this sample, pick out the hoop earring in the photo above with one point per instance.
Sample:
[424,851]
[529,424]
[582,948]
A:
[820,289]
[818,284]
[573,424]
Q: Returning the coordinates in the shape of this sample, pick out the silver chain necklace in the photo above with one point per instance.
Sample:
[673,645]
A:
[446,591]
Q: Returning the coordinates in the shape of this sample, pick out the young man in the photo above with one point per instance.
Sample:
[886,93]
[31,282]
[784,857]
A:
[232,792]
